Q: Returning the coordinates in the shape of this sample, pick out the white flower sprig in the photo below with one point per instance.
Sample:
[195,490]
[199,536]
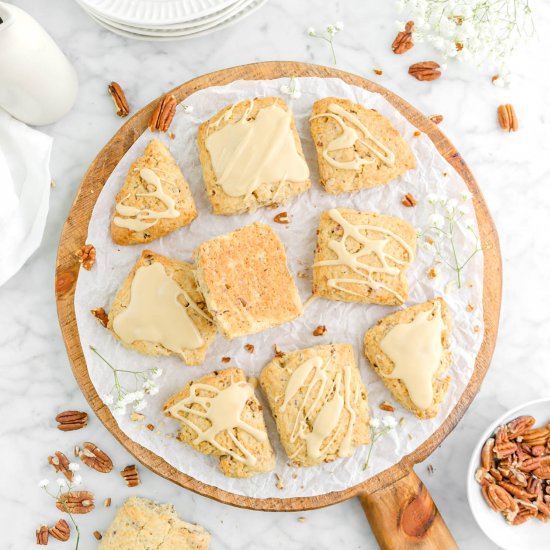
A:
[328,36]
[379,428]
[482,32]
[292,89]
[62,486]
[120,398]
[448,216]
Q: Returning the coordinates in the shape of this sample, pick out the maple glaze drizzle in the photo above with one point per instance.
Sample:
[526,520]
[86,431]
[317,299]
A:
[223,410]
[368,246]
[139,219]
[320,408]
[349,137]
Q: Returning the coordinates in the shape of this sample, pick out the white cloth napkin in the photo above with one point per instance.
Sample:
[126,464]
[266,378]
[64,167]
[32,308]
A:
[24,192]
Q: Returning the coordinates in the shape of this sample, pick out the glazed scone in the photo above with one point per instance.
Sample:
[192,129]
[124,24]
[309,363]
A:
[363,257]
[142,524]
[220,415]
[251,156]
[159,310]
[319,403]
[357,148]
[245,281]
[409,350]
[154,200]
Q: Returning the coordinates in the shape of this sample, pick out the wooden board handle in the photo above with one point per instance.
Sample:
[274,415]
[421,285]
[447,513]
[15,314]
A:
[403,515]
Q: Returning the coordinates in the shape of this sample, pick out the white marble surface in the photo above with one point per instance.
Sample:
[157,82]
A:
[512,170]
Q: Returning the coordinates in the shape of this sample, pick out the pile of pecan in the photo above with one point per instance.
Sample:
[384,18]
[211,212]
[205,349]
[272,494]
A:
[515,471]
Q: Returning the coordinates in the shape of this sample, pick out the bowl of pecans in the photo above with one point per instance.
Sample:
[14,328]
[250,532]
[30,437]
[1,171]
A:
[509,478]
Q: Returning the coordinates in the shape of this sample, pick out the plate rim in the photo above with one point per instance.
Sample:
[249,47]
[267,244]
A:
[74,234]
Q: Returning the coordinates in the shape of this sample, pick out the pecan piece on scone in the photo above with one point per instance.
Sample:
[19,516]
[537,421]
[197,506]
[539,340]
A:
[119,99]
[71,420]
[403,41]
[61,464]
[75,502]
[163,114]
[425,71]
[61,531]
[95,458]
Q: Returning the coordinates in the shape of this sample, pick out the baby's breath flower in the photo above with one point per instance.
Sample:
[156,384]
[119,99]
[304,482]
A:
[107,399]
[466,195]
[331,29]
[469,224]
[339,26]
[74,467]
[187,108]
[328,36]
[437,220]
[156,372]
[61,482]
[450,205]
[140,405]
[119,409]
[463,210]
[432,198]
[374,423]
[389,421]
[378,428]
[311,31]
[419,232]
[77,480]
[427,245]
[43,483]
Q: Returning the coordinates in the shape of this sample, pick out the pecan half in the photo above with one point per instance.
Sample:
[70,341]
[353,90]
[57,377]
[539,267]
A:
[503,446]
[515,490]
[95,458]
[487,453]
[101,315]
[436,119]
[163,114]
[76,502]
[542,472]
[519,425]
[538,436]
[86,256]
[131,475]
[71,420]
[507,118]
[498,498]
[119,99]
[425,71]
[42,535]
[408,200]
[403,42]
[61,531]
[61,464]
[282,218]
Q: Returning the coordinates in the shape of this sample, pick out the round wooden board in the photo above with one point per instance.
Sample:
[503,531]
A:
[75,232]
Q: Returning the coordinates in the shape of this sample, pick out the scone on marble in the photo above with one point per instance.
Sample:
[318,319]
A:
[357,148]
[245,281]
[220,415]
[363,257]
[319,403]
[154,200]
[409,350]
[251,156]
[159,310]
[142,524]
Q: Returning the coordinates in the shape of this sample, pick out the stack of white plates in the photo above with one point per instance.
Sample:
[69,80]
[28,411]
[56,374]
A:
[168,19]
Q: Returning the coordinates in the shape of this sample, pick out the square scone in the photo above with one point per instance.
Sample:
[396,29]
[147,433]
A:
[159,310]
[319,403]
[251,156]
[220,415]
[363,257]
[409,350]
[357,148]
[154,200]
[142,524]
[245,281]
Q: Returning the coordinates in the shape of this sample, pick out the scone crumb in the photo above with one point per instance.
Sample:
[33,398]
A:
[107,502]
[430,469]
[385,406]
[436,119]
[417,134]
[301,519]
[432,272]
[86,256]
[282,218]
[470,308]
[253,381]
[136,417]
[226,359]
[150,427]
[76,451]
[378,72]
[101,315]
[280,483]
[98,535]
[294,476]
[302,275]
[249,348]
[172,135]
[402,421]
[320,330]
[477,328]
[277,351]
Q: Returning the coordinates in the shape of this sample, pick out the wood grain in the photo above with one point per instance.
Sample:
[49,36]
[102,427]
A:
[74,236]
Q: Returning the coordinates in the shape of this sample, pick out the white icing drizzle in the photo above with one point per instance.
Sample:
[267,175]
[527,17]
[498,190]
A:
[247,153]
[223,410]
[139,219]
[349,137]
[155,313]
[329,402]
[416,349]
[368,246]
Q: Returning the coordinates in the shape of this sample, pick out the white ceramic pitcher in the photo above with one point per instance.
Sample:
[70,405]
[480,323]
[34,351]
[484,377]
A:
[38,85]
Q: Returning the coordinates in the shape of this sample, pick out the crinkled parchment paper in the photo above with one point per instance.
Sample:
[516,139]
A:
[345,322]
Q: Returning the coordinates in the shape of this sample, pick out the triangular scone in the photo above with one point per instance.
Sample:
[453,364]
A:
[319,403]
[363,257]
[154,200]
[357,148]
[251,156]
[228,422]
[160,311]
[412,345]
[142,524]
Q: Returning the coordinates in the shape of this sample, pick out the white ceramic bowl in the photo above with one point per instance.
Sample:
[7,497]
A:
[532,535]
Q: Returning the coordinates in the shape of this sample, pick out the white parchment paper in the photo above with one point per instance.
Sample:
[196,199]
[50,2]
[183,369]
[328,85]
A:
[345,322]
